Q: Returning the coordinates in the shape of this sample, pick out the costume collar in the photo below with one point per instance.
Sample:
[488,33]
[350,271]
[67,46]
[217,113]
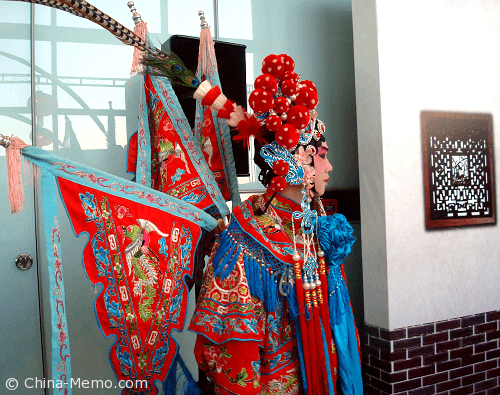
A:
[287,209]
[284,206]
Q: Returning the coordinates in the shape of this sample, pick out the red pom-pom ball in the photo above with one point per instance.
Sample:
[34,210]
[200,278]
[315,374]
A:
[288,62]
[309,84]
[307,97]
[261,100]
[289,87]
[280,167]
[278,184]
[298,116]
[287,136]
[273,64]
[281,105]
[266,82]
[273,123]
[290,75]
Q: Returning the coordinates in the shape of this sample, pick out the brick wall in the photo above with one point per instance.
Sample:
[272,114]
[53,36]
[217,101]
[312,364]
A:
[454,357]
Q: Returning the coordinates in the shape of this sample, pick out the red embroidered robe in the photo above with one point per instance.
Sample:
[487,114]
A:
[242,347]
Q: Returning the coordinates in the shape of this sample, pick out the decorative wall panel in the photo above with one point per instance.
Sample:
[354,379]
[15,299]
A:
[458,169]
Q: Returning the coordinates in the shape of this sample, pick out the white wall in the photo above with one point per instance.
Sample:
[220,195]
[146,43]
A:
[432,55]
[370,153]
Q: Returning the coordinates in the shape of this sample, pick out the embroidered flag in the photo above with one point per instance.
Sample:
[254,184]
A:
[141,250]
[168,156]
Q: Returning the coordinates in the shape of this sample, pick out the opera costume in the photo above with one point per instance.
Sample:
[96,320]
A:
[273,315]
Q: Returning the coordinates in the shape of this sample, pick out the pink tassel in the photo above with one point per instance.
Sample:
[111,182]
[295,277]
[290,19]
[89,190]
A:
[141,29]
[16,192]
[206,57]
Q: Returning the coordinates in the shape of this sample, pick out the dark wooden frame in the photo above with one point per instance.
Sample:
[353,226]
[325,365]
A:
[438,123]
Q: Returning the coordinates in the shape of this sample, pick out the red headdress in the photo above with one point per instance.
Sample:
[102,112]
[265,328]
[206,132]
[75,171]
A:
[283,112]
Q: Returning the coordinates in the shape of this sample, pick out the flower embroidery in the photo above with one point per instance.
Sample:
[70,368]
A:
[150,197]
[309,180]
[215,361]
[309,174]
[274,324]
[177,176]
[304,156]
[62,337]
[207,122]
[168,127]
[122,211]
[92,177]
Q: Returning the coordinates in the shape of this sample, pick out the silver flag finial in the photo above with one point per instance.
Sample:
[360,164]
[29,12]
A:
[204,23]
[135,15]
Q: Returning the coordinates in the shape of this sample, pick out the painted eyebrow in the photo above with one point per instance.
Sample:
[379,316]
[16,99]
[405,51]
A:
[322,148]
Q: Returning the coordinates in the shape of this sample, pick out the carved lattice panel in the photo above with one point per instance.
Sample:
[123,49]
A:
[458,169]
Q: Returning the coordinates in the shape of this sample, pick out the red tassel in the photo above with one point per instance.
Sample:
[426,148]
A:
[325,313]
[320,354]
[314,384]
[249,126]
[299,289]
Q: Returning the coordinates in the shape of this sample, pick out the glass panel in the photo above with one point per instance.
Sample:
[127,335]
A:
[184,19]
[235,19]
[15,81]
[21,356]
[82,75]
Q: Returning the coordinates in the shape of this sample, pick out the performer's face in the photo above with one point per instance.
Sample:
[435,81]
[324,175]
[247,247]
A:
[322,169]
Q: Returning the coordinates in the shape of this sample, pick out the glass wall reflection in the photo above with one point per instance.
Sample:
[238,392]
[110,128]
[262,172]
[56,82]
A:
[81,74]
[15,70]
